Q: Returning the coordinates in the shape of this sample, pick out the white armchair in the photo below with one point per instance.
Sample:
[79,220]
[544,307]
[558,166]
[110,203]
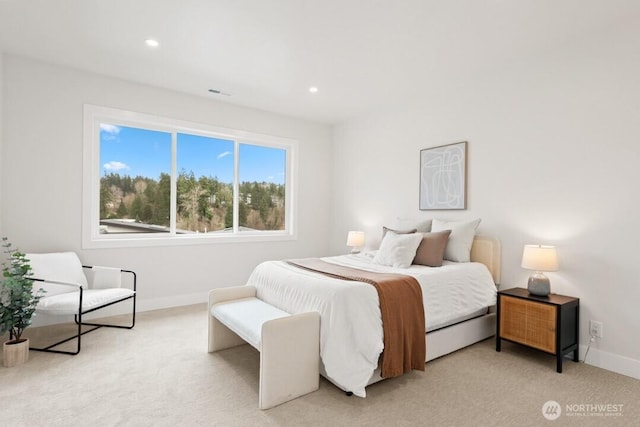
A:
[68,292]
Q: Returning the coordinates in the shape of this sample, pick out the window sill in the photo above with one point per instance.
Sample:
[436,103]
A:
[130,241]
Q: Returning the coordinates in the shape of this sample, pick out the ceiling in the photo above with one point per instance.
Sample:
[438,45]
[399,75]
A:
[363,55]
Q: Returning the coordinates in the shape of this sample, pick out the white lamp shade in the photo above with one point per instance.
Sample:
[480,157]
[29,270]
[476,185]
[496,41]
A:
[540,258]
[355,239]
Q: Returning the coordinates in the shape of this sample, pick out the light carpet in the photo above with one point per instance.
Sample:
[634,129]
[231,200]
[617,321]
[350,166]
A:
[160,374]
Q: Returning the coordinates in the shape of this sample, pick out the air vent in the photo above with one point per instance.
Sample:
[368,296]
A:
[219,92]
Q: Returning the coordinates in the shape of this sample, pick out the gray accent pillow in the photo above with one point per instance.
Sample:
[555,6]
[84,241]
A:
[385,229]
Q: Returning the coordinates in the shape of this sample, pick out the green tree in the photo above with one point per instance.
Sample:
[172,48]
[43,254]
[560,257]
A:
[135,210]
[122,211]
[228,217]
[243,211]
[105,198]
[191,206]
[162,200]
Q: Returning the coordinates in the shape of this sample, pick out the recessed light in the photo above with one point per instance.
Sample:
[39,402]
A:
[313,89]
[152,43]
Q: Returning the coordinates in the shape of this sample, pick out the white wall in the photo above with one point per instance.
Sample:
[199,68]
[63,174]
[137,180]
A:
[1,131]
[42,178]
[554,146]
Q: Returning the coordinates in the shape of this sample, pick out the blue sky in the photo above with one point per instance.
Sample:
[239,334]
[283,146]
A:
[133,151]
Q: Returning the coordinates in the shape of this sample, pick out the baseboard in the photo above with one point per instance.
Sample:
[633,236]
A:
[172,301]
[43,319]
[611,362]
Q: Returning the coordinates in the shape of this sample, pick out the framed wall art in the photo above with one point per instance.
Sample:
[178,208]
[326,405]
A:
[443,177]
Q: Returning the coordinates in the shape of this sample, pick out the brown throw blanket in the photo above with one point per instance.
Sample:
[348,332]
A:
[401,308]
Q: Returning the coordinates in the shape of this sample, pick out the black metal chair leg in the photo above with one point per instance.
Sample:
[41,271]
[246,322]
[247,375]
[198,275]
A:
[78,321]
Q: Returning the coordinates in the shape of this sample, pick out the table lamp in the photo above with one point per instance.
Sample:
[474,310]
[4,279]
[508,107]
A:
[539,258]
[355,239]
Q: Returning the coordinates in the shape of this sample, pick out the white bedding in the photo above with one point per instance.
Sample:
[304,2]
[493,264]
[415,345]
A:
[351,339]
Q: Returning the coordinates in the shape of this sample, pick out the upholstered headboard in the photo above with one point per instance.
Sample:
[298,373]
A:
[487,250]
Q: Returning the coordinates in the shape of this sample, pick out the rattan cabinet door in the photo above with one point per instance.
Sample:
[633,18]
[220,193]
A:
[541,326]
[529,323]
[513,319]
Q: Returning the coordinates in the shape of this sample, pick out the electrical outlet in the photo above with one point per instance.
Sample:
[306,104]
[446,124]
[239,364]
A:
[595,329]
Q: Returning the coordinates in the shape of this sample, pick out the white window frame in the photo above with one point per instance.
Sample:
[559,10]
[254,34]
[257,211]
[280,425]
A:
[91,237]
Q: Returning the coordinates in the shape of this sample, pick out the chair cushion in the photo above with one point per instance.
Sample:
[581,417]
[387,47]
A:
[59,267]
[245,317]
[67,303]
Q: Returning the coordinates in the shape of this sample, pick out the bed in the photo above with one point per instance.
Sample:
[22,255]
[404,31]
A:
[458,299]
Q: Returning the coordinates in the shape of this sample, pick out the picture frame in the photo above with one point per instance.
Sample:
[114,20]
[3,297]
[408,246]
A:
[443,177]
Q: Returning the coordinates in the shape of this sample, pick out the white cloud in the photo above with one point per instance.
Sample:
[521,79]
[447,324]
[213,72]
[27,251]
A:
[115,166]
[224,154]
[112,129]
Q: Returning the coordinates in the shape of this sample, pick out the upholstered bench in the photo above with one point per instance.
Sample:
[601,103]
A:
[289,345]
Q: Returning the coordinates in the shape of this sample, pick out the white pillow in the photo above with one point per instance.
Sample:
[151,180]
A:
[59,267]
[460,240]
[398,250]
[422,225]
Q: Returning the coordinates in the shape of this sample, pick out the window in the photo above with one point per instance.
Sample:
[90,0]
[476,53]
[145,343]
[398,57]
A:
[155,181]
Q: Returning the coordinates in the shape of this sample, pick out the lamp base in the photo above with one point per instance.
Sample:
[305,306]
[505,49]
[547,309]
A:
[539,285]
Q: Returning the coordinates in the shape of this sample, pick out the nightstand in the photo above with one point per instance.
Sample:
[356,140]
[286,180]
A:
[546,323]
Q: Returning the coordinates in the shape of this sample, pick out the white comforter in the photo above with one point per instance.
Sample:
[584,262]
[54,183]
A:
[351,338]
